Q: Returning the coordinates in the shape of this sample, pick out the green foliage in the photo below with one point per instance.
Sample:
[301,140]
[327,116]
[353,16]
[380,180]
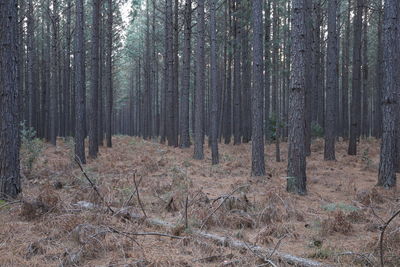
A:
[366,158]
[31,147]
[339,206]
[316,130]
[273,125]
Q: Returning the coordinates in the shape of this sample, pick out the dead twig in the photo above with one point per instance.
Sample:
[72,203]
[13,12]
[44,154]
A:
[276,246]
[79,162]
[138,196]
[220,204]
[186,212]
[383,229]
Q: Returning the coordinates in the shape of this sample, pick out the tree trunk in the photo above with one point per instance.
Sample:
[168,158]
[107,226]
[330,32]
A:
[109,94]
[237,79]
[184,117]
[345,75]
[365,67]
[356,81]
[214,86]
[257,94]
[10,183]
[379,76]
[200,83]
[267,61]
[94,83]
[79,83]
[296,180]
[331,84]
[387,164]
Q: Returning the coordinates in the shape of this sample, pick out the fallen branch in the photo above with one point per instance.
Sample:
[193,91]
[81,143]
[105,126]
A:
[143,233]
[78,161]
[220,204]
[383,229]
[225,241]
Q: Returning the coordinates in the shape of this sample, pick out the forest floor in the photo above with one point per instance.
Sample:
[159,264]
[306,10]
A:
[336,223]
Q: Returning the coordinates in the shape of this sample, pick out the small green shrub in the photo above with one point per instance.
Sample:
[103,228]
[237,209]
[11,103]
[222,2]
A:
[273,125]
[316,130]
[31,147]
[366,158]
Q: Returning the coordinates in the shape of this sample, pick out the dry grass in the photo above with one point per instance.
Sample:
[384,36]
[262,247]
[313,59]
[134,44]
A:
[341,210]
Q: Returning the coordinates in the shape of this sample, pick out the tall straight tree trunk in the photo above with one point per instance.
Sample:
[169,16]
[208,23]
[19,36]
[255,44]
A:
[237,77]
[184,117]
[200,83]
[68,70]
[379,76]
[331,84]
[214,86]
[387,164]
[10,183]
[296,180]
[176,73]
[109,94]
[101,80]
[345,75]
[30,66]
[309,73]
[267,61]
[365,67]
[356,81]
[79,65]
[170,94]
[54,75]
[246,84]
[93,129]
[257,94]
[228,98]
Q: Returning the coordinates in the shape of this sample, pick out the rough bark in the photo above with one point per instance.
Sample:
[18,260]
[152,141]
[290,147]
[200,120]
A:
[109,94]
[379,76]
[356,81]
[296,180]
[213,83]
[237,83]
[94,83]
[345,75]
[331,84]
[200,83]
[184,117]
[79,64]
[10,183]
[387,164]
[257,93]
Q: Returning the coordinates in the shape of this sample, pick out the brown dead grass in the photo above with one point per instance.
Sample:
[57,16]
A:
[42,230]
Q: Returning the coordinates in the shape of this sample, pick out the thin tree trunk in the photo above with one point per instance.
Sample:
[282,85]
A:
[93,129]
[214,86]
[356,81]
[200,83]
[79,65]
[109,95]
[257,93]
[184,117]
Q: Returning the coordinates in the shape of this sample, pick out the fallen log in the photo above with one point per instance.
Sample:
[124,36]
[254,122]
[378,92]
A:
[221,240]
